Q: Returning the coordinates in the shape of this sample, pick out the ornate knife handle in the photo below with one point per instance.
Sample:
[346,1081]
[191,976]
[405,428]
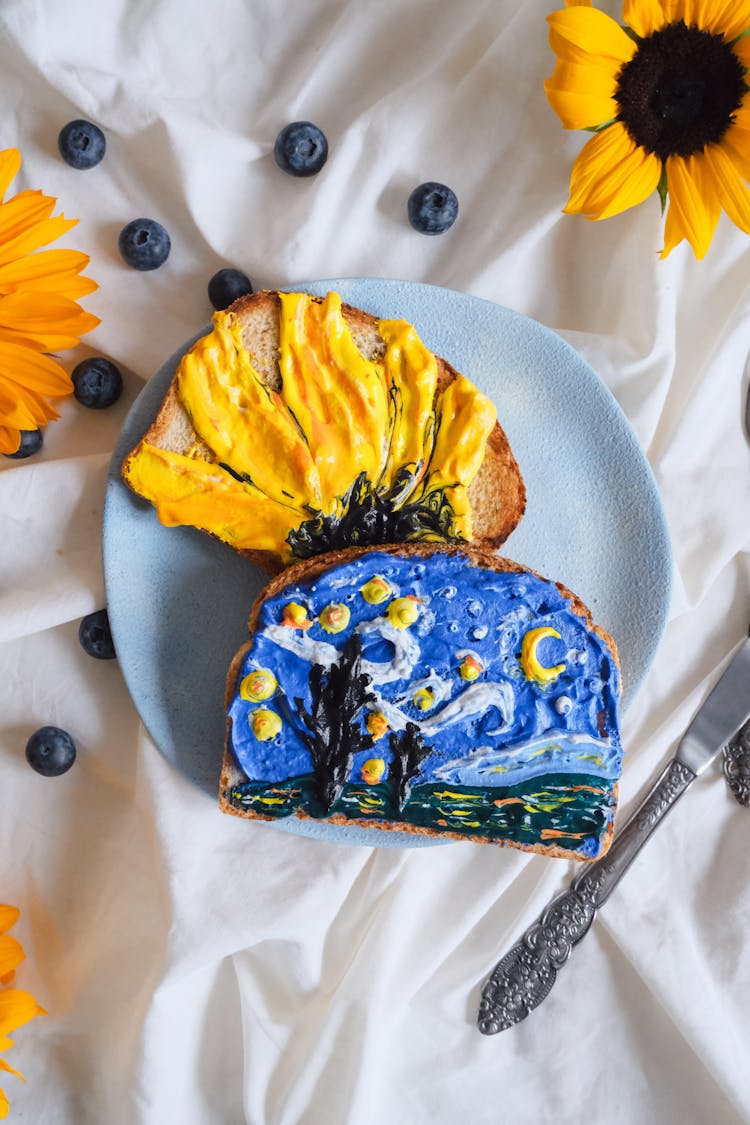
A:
[522,979]
[737,765]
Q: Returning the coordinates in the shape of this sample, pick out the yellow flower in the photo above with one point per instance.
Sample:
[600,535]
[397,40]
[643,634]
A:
[667,98]
[38,307]
[16,1007]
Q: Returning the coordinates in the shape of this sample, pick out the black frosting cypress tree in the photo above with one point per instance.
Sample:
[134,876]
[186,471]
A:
[333,735]
[409,751]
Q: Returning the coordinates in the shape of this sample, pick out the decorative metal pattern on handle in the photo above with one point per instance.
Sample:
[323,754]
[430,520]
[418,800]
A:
[737,765]
[522,979]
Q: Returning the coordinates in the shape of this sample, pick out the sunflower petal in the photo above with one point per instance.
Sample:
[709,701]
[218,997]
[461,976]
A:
[46,321]
[41,374]
[11,954]
[593,31]
[22,410]
[4,1105]
[23,212]
[48,271]
[598,155]
[42,233]
[720,17]
[742,50]
[17,1008]
[10,441]
[581,95]
[693,207]
[728,187]
[9,1070]
[10,162]
[643,16]
[736,144]
[9,915]
[611,175]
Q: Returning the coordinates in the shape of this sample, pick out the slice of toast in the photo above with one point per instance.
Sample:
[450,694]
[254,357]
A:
[436,690]
[496,493]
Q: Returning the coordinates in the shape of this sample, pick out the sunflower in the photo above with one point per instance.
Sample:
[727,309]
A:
[38,307]
[667,98]
[16,1007]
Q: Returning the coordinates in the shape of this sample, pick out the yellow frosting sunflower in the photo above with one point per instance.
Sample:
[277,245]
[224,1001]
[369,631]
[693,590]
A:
[666,95]
[16,1007]
[39,312]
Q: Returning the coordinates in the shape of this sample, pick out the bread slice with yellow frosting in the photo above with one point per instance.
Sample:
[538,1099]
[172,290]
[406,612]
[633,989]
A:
[300,425]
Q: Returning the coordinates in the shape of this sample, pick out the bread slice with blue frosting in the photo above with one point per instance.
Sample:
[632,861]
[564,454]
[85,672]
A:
[430,689]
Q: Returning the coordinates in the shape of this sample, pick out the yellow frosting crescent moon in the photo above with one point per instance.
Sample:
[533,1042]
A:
[533,669]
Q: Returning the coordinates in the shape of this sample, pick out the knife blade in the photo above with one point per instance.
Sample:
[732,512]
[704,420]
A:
[522,979]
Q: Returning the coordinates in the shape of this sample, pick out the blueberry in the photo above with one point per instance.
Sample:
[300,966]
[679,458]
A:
[81,144]
[226,286]
[432,208]
[96,383]
[31,442]
[50,751]
[301,149]
[144,244]
[95,635]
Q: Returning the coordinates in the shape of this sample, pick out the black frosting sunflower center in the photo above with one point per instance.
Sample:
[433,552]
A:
[679,91]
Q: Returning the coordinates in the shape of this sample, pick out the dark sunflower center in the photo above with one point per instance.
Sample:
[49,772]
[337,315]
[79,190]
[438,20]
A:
[679,91]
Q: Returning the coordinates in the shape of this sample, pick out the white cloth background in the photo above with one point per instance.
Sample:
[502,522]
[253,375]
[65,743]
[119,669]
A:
[199,969]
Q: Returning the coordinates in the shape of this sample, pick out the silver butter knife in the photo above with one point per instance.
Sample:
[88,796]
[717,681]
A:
[522,979]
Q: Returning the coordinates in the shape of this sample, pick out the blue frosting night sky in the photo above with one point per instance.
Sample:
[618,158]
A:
[485,721]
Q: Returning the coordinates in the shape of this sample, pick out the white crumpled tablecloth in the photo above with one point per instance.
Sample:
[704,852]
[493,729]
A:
[198,969]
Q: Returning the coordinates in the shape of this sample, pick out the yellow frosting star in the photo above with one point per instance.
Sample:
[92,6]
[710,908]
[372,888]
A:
[334,618]
[403,612]
[376,724]
[295,616]
[265,724]
[376,590]
[423,699]
[372,770]
[258,685]
[471,668]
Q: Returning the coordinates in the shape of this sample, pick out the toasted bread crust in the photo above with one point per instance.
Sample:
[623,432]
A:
[497,494]
[312,569]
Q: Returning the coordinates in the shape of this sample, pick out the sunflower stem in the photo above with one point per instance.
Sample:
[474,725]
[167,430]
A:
[663,188]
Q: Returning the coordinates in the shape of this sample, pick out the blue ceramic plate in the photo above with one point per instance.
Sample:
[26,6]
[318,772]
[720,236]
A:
[179,600]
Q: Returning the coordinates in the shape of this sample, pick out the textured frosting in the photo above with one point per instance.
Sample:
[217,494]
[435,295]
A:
[348,450]
[511,697]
